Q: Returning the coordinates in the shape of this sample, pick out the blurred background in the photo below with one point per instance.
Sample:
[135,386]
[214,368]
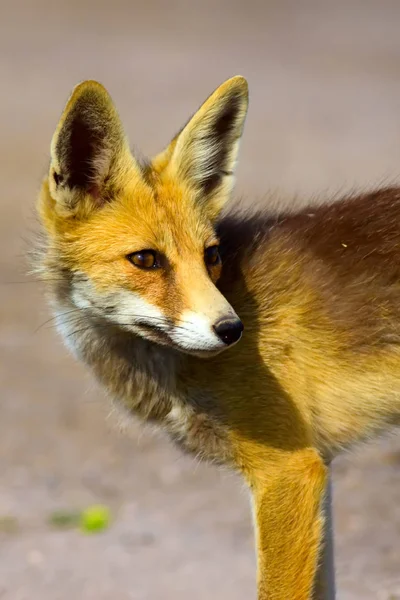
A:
[324,118]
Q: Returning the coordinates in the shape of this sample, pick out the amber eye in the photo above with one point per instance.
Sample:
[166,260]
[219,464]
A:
[144,259]
[211,256]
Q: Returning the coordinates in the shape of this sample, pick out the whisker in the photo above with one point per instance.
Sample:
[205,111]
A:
[31,282]
[73,310]
[82,330]
[105,325]
[75,315]
[79,316]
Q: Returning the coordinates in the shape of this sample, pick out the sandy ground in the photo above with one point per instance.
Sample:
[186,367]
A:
[324,116]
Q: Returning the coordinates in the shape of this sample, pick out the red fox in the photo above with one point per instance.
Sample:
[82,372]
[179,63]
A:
[264,342]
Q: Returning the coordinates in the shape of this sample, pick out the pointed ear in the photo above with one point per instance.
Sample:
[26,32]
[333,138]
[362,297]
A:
[204,153]
[89,151]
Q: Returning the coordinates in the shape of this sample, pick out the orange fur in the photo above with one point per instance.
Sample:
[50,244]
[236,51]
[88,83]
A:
[318,293]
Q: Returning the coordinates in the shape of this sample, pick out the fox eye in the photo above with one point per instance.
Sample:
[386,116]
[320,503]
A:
[144,259]
[211,256]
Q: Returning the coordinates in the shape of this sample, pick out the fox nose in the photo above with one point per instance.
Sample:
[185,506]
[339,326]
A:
[229,331]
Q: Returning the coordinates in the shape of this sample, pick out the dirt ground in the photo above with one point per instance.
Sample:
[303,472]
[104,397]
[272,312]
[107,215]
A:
[324,117]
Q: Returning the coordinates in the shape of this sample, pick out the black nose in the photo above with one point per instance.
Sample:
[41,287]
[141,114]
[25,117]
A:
[229,331]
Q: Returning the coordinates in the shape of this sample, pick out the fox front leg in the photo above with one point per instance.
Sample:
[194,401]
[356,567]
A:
[288,512]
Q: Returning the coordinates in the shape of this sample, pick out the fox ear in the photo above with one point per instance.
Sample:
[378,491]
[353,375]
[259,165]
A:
[204,153]
[89,151]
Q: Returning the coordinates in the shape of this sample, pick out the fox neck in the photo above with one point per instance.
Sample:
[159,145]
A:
[136,372]
[154,382]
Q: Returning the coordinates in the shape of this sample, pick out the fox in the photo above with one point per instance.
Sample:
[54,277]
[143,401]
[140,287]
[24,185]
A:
[267,341]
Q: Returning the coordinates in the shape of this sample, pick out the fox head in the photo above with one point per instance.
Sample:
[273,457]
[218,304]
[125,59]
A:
[134,244]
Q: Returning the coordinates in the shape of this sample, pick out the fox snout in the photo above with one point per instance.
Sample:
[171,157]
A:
[197,333]
[208,323]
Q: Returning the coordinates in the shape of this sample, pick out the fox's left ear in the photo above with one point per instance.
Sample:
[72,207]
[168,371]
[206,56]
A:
[89,152]
[204,153]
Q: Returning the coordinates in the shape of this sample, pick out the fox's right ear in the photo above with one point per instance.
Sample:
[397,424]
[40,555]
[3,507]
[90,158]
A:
[204,153]
[89,151]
